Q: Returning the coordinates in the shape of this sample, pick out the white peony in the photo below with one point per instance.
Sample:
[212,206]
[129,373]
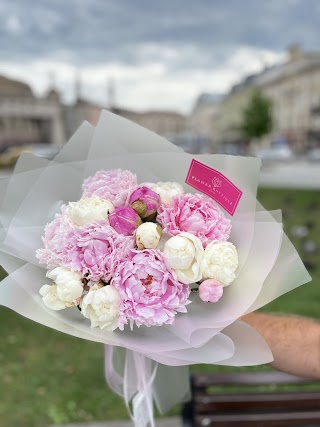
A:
[89,209]
[101,306]
[148,235]
[167,190]
[220,261]
[65,292]
[50,297]
[69,284]
[184,254]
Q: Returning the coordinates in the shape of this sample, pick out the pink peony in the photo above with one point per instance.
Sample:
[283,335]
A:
[97,249]
[145,201]
[115,185]
[210,290]
[125,220]
[149,293]
[56,241]
[196,214]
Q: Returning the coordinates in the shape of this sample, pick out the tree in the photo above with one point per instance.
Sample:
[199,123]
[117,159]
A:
[257,116]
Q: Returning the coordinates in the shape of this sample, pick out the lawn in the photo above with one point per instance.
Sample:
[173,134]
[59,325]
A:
[47,377]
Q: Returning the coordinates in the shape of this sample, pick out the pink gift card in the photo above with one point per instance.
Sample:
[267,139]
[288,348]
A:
[215,185]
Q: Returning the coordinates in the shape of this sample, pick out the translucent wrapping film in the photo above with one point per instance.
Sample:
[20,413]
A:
[269,266]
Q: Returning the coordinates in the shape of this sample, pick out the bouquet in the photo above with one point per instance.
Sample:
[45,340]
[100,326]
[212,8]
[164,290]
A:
[126,240]
[107,253]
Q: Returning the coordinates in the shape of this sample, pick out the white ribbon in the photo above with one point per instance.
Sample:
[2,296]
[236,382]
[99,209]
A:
[131,375]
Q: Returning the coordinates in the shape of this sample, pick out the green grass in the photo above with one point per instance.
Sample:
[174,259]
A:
[299,208]
[47,377]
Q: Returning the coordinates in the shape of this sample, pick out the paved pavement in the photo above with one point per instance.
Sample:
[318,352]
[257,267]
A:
[298,174]
[164,422]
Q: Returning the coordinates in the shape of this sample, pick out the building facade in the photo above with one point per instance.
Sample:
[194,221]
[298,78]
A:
[164,123]
[294,88]
[202,120]
[25,119]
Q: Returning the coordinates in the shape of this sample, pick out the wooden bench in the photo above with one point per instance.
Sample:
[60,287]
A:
[245,405]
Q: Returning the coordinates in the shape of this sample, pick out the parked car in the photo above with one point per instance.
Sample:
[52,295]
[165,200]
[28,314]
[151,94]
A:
[279,150]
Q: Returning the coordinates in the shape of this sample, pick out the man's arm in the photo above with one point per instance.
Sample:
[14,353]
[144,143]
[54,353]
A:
[294,342]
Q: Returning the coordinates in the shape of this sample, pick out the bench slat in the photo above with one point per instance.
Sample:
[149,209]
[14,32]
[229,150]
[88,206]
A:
[253,408]
[250,402]
[247,378]
[261,420]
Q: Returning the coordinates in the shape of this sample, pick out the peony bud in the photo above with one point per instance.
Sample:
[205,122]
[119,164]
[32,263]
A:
[145,202]
[148,235]
[124,220]
[210,290]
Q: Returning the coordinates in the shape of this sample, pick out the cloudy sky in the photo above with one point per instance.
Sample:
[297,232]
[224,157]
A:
[160,54]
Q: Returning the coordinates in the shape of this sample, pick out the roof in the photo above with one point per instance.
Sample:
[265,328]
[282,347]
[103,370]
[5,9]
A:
[11,87]
[305,63]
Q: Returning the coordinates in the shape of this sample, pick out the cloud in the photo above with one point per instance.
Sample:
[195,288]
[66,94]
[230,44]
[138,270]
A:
[161,54]
[149,86]
[13,24]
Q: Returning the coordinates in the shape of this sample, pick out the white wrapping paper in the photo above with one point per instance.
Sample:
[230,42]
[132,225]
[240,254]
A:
[153,362]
